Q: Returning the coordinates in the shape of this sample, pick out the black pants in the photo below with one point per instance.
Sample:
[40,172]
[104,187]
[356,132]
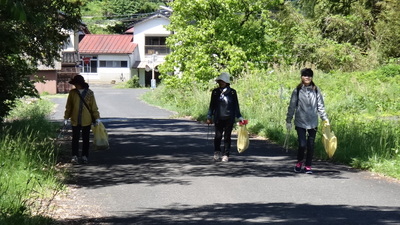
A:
[223,127]
[306,142]
[76,133]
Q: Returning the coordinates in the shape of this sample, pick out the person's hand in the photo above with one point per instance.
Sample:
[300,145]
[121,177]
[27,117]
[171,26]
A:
[327,122]
[65,122]
[288,126]
[241,119]
[209,121]
[97,122]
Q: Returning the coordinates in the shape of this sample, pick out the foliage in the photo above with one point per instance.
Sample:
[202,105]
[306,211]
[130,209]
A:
[362,107]
[214,36]
[33,32]
[131,83]
[115,16]
[246,36]
[27,169]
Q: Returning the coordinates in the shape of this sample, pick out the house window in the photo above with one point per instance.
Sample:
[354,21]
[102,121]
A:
[91,67]
[155,45]
[114,64]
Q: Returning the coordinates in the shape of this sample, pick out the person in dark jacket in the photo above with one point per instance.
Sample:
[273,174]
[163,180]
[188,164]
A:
[224,107]
[306,104]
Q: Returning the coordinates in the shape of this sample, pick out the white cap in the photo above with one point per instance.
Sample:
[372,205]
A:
[224,76]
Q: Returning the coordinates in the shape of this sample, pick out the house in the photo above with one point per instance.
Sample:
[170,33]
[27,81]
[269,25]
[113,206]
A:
[107,58]
[150,34]
[114,58]
[55,79]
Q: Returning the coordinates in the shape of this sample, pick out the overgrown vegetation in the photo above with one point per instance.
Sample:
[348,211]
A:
[115,16]
[362,107]
[28,154]
[131,83]
[33,33]
[249,35]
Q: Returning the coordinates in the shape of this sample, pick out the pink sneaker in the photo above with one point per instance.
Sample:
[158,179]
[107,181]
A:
[308,170]
[297,168]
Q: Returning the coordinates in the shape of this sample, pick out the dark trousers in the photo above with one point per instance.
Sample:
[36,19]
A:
[306,139]
[76,134]
[223,127]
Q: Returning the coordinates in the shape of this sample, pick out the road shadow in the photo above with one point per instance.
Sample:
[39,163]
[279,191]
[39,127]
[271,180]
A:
[255,213]
[165,151]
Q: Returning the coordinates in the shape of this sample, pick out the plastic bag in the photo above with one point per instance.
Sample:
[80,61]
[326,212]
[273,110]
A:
[329,140]
[243,139]
[100,140]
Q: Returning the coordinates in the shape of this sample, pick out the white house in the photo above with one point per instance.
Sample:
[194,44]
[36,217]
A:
[107,58]
[150,34]
[138,52]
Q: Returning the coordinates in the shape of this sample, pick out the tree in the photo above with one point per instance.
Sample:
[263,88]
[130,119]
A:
[218,35]
[32,32]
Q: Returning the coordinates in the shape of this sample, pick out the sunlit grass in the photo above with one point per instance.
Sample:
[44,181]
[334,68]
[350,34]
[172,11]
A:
[28,157]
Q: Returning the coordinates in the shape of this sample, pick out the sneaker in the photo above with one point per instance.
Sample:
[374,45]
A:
[84,159]
[217,154]
[74,159]
[297,168]
[308,170]
[225,158]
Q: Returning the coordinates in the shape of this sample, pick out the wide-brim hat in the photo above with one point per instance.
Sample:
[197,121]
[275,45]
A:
[225,77]
[78,79]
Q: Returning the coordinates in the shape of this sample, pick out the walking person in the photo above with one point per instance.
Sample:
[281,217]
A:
[82,109]
[306,104]
[224,107]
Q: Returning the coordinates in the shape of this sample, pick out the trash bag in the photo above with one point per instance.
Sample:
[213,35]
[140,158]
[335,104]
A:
[100,140]
[243,139]
[329,140]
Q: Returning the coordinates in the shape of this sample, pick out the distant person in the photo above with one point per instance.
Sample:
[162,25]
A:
[82,109]
[224,107]
[306,103]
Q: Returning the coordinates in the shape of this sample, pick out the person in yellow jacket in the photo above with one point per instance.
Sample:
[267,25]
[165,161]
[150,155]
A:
[81,117]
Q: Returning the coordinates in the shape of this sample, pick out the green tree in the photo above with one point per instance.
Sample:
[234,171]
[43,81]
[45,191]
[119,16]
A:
[32,32]
[218,35]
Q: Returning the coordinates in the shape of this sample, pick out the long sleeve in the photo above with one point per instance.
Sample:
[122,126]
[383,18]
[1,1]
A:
[291,107]
[321,106]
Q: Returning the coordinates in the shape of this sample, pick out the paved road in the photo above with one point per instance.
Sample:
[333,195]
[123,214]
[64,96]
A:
[159,170]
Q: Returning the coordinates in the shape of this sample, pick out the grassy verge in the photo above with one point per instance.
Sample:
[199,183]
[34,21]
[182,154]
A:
[363,108]
[28,175]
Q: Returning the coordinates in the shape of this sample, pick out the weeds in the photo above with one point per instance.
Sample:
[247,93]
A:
[27,163]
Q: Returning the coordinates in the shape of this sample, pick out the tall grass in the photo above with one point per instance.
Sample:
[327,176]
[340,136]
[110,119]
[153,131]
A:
[27,163]
[363,108]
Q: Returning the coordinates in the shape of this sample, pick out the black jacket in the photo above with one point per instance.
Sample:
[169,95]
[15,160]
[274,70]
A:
[224,104]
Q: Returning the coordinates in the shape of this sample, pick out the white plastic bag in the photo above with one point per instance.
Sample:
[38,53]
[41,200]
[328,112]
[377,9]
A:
[100,140]
[243,139]
[329,140]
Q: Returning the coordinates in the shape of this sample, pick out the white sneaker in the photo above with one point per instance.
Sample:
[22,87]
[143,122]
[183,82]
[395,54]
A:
[225,158]
[84,159]
[74,159]
[217,154]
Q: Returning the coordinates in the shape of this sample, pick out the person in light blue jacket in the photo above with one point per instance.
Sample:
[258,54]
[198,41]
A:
[306,104]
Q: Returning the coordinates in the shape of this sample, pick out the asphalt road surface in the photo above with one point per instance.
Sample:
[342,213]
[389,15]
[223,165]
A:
[159,170]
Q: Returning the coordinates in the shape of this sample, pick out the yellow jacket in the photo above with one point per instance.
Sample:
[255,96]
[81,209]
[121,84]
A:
[72,108]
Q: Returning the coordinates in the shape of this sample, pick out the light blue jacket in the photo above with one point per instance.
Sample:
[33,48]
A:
[307,108]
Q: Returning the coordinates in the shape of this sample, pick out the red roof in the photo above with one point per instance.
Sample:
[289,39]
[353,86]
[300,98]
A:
[107,44]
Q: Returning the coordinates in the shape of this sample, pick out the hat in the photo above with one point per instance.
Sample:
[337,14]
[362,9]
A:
[78,79]
[224,77]
[307,72]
